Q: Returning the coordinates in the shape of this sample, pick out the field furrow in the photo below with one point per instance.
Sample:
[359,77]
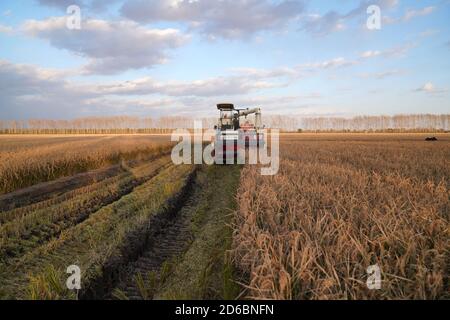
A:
[29,227]
[186,254]
[94,241]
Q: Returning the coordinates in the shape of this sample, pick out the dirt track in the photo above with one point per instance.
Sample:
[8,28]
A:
[137,244]
[151,254]
[169,242]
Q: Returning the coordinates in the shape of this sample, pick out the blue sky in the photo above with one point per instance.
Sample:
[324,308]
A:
[175,57]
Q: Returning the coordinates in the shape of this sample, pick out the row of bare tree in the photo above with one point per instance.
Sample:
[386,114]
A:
[127,124]
[379,123]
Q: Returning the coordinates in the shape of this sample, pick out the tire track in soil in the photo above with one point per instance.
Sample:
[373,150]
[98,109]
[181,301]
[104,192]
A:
[166,235]
[170,240]
[58,226]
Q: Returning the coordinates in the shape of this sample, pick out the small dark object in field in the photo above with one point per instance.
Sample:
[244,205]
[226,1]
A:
[431,139]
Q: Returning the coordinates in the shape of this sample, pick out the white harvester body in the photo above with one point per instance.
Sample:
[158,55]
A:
[231,135]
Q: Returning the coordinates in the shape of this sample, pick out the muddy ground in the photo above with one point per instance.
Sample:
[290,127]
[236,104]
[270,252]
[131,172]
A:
[180,253]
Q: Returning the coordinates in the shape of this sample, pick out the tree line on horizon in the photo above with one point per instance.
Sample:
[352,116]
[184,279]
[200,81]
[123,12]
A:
[130,124]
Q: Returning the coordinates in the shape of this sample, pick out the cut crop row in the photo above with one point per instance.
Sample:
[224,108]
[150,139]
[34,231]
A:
[29,227]
[93,242]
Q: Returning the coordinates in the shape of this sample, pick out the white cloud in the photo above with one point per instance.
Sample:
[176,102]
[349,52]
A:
[235,84]
[428,33]
[29,91]
[32,91]
[370,54]
[430,88]
[279,72]
[27,78]
[217,18]
[62,4]
[111,47]
[323,25]
[240,81]
[290,74]
[382,75]
[94,5]
[6,29]
[333,21]
[409,15]
[334,63]
[395,52]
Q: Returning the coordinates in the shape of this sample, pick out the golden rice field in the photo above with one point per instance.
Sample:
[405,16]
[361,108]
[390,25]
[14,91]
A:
[140,227]
[339,204]
[25,161]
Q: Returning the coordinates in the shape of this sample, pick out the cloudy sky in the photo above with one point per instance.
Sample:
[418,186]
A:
[181,57]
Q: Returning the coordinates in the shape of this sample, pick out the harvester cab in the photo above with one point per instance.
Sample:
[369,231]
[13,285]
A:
[231,134]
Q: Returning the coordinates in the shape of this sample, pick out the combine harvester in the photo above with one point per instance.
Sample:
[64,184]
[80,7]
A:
[233,136]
